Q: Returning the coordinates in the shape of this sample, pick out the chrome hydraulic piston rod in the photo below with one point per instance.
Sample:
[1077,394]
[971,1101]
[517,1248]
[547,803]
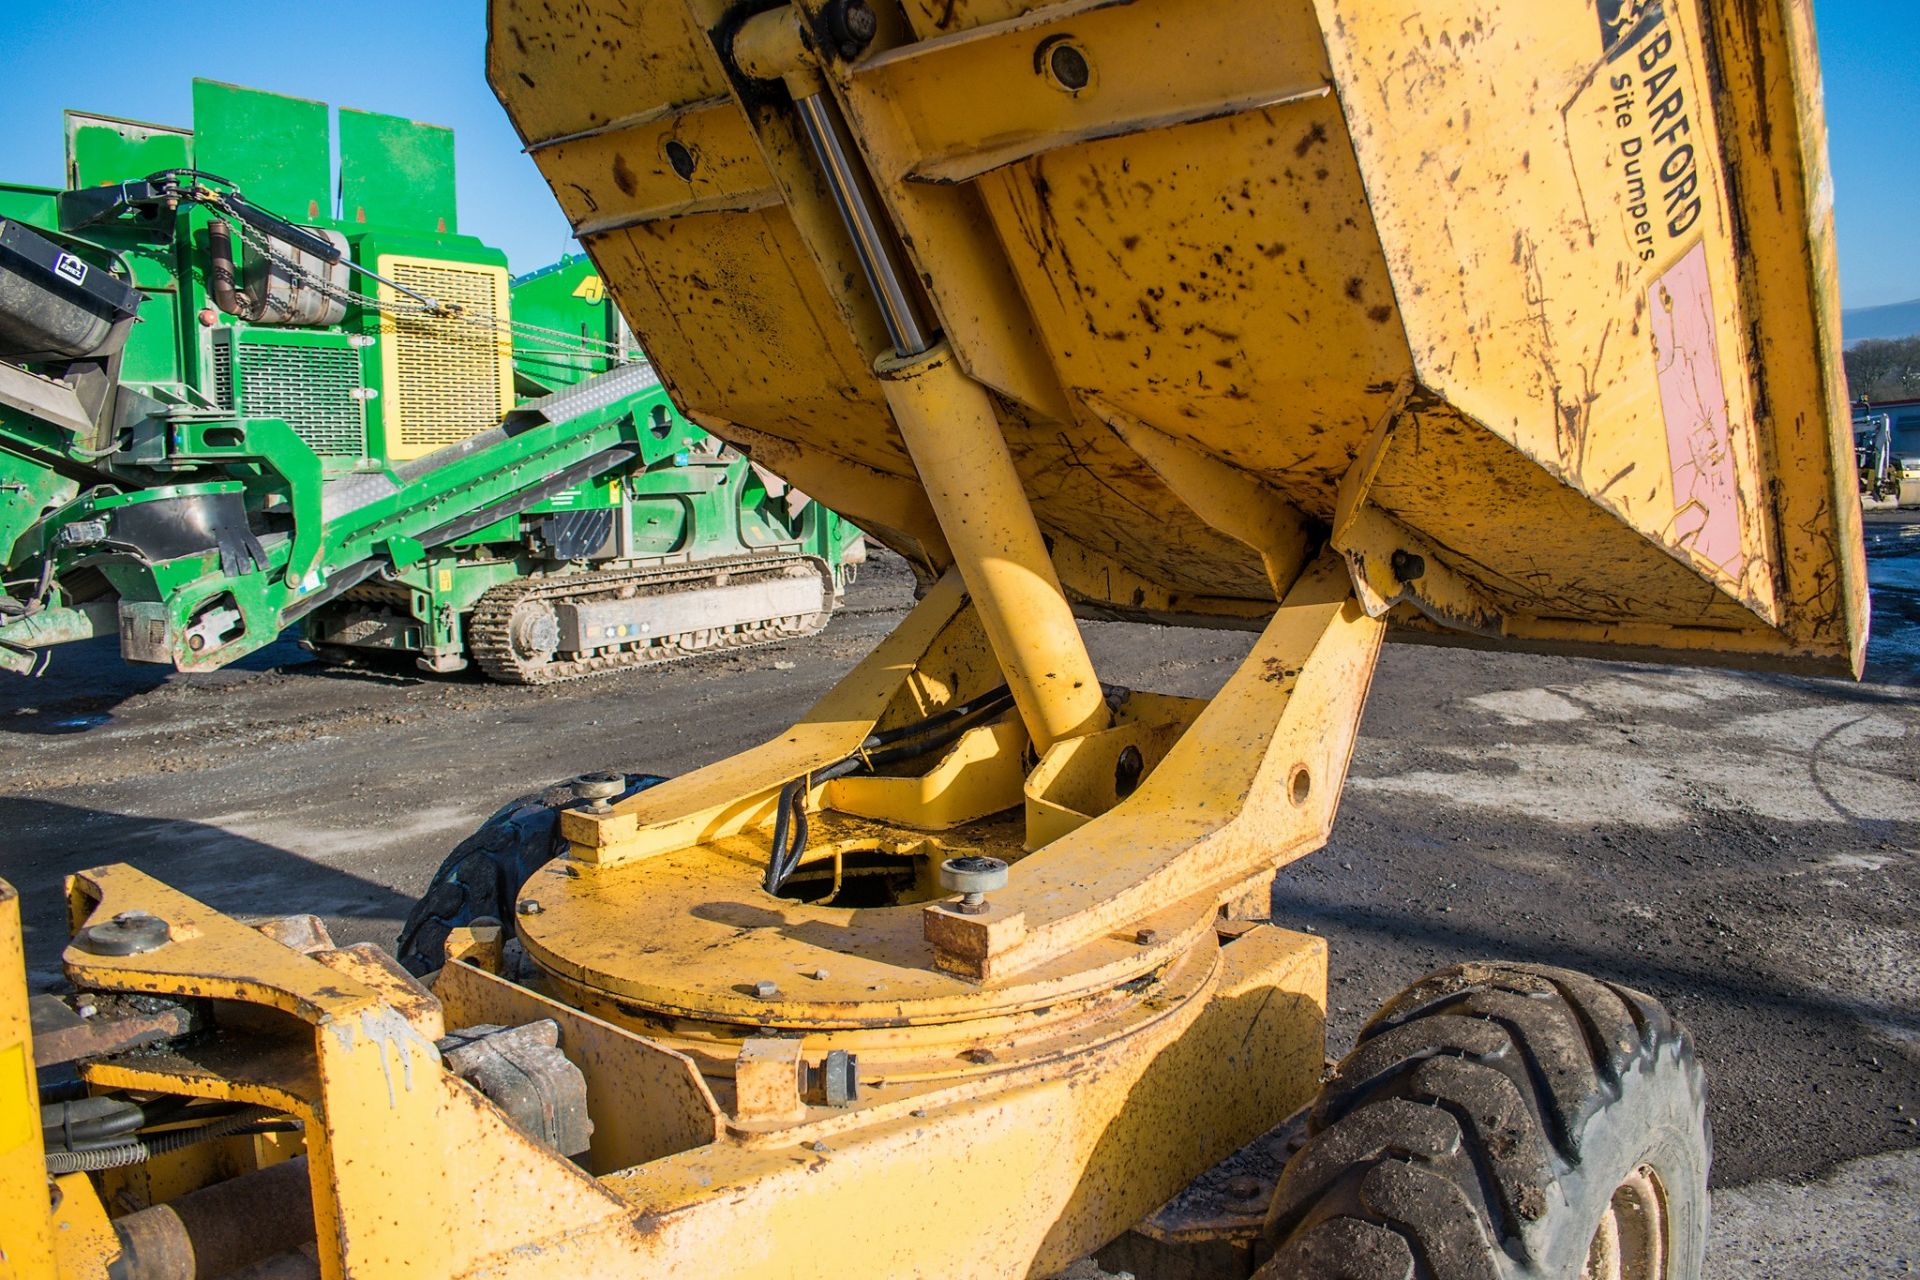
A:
[953,434]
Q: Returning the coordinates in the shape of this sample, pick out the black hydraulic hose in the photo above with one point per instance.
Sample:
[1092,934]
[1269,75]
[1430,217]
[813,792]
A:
[95,1122]
[107,1121]
[790,818]
[979,712]
[789,815]
[877,751]
[32,604]
[939,720]
[196,175]
[89,1122]
[62,1089]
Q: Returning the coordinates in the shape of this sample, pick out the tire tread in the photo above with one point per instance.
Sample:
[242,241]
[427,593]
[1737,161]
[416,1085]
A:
[1518,1059]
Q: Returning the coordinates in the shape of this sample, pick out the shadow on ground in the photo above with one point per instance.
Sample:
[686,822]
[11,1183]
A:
[228,872]
[80,685]
[1794,981]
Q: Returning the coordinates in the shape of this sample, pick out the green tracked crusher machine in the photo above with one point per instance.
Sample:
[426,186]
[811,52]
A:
[236,396]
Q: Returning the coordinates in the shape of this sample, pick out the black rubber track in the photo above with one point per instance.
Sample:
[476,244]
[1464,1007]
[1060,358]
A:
[490,644]
[1480,1126]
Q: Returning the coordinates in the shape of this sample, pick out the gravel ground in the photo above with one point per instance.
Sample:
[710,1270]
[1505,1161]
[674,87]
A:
[1745,847]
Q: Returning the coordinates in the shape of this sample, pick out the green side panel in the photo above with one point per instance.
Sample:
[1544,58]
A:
[568,298]
[600,495]
[662,525]
[28,487]
[35,206]
[278,149]
[154,351]
[103,150]
[505,529]
[396,172]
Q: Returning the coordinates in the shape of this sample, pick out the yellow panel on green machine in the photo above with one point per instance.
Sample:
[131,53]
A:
[1527,310]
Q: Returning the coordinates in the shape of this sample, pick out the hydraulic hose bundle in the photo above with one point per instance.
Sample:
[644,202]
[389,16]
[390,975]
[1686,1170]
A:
[880,751]
[110,1132]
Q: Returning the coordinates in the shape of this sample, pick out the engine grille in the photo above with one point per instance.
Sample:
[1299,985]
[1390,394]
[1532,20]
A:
[310,388]
[448,379]
[223,376]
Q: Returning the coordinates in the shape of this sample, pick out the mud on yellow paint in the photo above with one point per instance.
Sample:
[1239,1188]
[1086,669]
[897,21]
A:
[26,1235]
[1538,293]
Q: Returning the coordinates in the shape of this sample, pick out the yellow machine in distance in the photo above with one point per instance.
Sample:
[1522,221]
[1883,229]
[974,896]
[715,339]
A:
[1510,324]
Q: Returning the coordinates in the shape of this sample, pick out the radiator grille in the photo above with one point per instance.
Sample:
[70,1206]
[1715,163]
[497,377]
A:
[448,379]
[310,388]
[223,376]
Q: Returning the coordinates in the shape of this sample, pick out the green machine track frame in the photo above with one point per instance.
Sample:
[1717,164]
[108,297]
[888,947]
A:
[349,416]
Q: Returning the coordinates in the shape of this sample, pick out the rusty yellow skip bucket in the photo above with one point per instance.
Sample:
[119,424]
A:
[1528,309]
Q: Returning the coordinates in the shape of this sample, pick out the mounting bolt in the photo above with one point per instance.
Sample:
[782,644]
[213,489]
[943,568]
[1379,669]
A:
[1247,1189]
[766,990]
[819,975]
[1147,937]
[599,789]
[852,25]
[1407,567]
[973,877]
[528,907]
[130,933]
[840,1078]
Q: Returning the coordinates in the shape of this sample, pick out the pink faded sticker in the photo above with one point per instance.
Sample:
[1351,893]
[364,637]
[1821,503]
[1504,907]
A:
[1706,518]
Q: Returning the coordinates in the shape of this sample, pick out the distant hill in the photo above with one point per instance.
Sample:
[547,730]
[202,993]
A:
[1896,320]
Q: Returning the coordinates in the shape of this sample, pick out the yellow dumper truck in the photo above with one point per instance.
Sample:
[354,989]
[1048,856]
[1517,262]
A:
[1478,321]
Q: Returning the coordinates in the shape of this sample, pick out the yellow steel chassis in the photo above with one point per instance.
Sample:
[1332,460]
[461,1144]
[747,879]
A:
[1057,1065]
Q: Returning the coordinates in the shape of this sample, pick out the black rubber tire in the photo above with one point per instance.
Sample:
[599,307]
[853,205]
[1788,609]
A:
[1480,1126]
[483,874]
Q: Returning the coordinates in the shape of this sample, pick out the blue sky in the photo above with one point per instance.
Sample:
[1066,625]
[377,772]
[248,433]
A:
[1870,61]
[424,59]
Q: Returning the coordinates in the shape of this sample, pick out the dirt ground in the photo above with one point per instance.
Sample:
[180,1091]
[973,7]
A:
[1745,847]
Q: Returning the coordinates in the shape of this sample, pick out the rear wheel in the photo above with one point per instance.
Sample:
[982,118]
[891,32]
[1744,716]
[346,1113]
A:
[1503,1122]
[533,637]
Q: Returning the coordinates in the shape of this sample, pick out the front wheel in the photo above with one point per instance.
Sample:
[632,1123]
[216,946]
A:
[1503,1122]
[483,874]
